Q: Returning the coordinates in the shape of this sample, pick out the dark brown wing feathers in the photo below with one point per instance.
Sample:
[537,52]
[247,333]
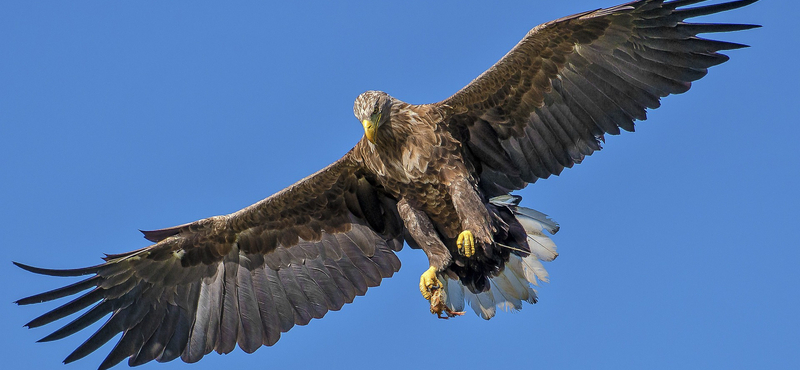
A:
[292,257]
[549,101]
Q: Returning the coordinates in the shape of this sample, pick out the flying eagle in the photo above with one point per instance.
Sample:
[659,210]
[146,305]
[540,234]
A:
[435,176]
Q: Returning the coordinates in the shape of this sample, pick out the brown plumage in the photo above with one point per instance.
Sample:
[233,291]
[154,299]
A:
[422,174]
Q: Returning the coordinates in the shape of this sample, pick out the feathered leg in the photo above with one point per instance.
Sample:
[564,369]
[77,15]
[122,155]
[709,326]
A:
[475,220]
[421,229]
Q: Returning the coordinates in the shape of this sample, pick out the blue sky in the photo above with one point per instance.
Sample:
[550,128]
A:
[679,243]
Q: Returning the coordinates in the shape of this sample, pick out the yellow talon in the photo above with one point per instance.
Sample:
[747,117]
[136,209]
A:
[428,281]
[466,243]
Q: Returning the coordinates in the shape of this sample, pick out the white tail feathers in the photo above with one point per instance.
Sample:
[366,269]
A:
[535,223]
[453,294]
[506,291]
[511,287]
[532,219]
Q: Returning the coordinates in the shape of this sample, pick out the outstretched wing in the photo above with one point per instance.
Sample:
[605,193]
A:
[241,278]
[549,101]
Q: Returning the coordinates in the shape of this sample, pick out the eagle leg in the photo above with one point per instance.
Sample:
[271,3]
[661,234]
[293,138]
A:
[466,243]
[475,219]
[421,229]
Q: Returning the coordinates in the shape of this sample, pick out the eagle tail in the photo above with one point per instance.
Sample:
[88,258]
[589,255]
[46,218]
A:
[513,285]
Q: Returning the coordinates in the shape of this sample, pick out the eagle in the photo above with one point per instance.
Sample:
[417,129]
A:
[438,177]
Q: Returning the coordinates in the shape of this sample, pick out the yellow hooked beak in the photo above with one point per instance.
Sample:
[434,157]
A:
[369,130]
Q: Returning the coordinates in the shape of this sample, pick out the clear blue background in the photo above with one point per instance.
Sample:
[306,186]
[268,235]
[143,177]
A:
[679,243]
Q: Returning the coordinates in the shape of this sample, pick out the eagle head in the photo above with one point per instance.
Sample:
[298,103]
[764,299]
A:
[372,109]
